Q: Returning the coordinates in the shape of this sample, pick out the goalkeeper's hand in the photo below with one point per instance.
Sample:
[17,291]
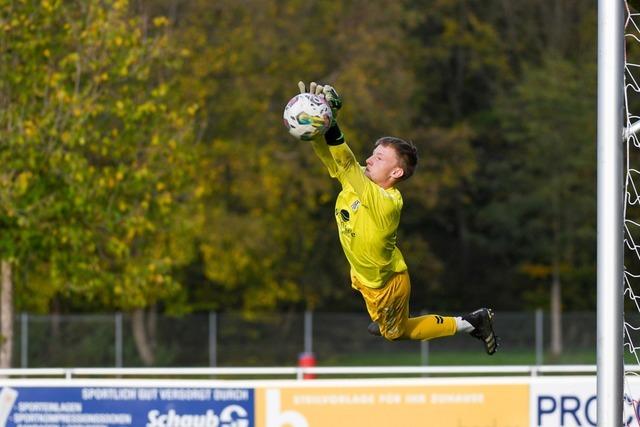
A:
[328,92]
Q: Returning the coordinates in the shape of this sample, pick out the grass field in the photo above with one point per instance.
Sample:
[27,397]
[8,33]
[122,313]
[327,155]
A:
[459,359]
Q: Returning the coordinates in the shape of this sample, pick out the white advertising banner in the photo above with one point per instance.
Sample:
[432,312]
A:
[551,401]
[570,401]
[563,401]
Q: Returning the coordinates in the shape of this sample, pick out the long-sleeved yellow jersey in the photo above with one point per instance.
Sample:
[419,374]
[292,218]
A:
[367,216]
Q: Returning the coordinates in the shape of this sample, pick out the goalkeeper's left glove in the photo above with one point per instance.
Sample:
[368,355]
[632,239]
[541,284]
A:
[333,99]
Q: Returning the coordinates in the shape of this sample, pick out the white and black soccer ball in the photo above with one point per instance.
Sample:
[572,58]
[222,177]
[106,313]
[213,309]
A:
[307,116]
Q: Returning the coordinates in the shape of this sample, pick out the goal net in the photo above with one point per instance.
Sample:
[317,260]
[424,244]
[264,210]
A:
[631,121]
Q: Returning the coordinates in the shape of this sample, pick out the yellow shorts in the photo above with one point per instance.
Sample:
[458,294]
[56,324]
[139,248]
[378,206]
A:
[388,305]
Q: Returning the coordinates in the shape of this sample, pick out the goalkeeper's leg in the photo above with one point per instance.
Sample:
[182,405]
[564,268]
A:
[388,307]
[479,324]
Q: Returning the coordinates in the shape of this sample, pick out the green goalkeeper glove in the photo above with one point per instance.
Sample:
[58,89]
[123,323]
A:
[334,100]
[328,92]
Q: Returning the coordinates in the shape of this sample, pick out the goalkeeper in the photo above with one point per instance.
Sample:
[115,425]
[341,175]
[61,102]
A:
[367,212]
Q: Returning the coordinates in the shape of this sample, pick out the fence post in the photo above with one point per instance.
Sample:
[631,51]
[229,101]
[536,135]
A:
[307,359]
[539,336]
[118,339]
[424,352]
[308,331]
[213,339]
[424,348]
[24,340]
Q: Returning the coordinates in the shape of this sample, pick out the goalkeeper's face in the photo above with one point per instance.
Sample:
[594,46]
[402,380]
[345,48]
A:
[384,167]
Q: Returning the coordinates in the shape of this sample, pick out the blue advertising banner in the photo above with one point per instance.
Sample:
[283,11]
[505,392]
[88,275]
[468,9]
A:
[126,406]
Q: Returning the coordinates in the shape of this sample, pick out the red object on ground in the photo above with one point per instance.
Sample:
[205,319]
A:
[307,360]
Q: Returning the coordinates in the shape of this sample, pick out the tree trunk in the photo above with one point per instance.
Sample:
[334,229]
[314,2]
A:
[6,315]
[141,337]
[152,325]
[556,314]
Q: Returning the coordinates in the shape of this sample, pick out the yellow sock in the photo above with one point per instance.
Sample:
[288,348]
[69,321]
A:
[429,327]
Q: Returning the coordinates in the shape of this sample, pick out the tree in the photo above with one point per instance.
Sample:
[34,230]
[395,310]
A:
[549,220]
[462,61]
[268,233]
[94,155]
[472,55]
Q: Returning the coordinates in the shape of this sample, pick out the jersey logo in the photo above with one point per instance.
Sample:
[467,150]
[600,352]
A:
[343,224]
[439,320]
[355,205]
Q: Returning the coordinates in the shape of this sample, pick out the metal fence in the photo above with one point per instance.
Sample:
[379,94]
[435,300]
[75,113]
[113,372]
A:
[335,339]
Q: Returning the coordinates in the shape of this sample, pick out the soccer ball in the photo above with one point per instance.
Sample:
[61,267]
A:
[307,116]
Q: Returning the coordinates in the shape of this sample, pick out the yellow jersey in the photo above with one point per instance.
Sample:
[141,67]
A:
[367,216]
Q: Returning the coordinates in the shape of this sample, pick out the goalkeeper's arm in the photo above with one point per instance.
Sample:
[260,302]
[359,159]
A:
[348,170]
[321,149]
[336,154]
[333,135]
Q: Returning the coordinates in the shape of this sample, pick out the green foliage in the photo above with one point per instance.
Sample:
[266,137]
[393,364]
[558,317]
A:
[462,52]
[105,201]
[543,211]
[268,235]
[94,154]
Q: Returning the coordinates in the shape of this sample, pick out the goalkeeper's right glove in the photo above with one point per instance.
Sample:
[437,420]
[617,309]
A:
[314,88]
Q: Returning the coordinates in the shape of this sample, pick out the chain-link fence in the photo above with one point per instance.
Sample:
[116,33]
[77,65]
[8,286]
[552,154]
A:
[278,339]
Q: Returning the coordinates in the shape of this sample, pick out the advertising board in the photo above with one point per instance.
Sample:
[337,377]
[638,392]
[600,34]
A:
[419,404]
[571,402]
[102,406]
[558,401]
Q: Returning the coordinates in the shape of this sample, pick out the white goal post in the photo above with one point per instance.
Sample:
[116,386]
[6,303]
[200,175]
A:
[610,212]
